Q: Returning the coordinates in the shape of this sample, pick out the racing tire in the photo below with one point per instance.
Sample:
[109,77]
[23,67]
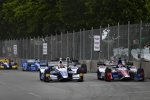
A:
[108,74]
[70,76]
[46,79]
[98,75]
[10,66]
[84,68]
[81,79]
[141,72]
[41,76]
[23,69]
[132,75]
[5,67]
[79,70]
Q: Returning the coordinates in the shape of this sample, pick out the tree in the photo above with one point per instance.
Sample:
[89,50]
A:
[31,18]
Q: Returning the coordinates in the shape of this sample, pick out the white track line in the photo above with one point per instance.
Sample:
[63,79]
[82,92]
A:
[140,92]
[35,95]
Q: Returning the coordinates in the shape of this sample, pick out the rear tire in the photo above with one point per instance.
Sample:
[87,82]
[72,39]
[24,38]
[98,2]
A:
[84,68]
[81,79]
[41,76]
[23,69]
[141,72]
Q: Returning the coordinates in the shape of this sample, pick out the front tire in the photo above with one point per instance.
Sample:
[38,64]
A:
[108,74]
[98,75]
[41,75]
[81,79]
[46,78]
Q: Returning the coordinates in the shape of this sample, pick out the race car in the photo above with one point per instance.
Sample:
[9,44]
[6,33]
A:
[61,71]
[30,64]
[6,63]
[119,72]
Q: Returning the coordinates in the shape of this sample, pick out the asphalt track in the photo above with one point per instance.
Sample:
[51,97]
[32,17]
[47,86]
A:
[18,85]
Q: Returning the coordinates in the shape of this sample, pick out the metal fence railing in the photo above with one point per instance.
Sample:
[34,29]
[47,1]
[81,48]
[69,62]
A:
[116,41]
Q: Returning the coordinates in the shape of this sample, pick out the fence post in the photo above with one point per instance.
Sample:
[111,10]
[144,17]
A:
[118,39]
[73,44]
[67,44]
[30,48]
[61,44]
[108,42]
[47,48]
[56,45]
[38,48]
[100,30]
[83,44]
[34,46]
[22,47]
[80,45]
[140,45]
[91,44]
[26,45]
[51,46]
[128,40]
[42,55]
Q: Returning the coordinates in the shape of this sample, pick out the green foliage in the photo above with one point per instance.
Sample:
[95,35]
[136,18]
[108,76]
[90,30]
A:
[31,18]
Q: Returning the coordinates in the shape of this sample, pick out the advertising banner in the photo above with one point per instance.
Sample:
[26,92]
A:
[96,43]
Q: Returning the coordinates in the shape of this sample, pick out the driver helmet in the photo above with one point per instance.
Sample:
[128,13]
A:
[60,64]
[120,65]
[5,61]
[60,59]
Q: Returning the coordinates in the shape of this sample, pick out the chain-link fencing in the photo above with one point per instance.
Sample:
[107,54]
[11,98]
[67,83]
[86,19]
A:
[125,41]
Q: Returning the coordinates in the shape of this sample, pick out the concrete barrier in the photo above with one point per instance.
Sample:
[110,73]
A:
[94,65]
[88,63]
[91,65]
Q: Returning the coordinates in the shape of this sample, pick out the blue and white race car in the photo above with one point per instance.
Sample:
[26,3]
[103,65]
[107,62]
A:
[61,70]
[30,65]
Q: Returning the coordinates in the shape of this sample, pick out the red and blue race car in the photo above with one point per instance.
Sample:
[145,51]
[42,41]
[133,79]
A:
[110,72]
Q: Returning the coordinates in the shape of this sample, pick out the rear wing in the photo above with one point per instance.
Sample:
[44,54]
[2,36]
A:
[43,62]
[52,63]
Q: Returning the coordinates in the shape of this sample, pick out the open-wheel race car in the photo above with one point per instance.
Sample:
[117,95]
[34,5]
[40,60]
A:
[119,72]
[62,70]
[30,64]
[6,63]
